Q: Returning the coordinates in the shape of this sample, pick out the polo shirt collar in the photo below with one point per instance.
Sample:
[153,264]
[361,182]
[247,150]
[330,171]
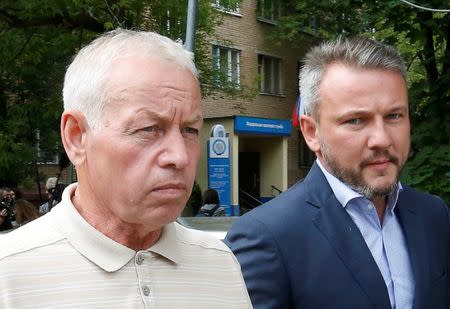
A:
[168,244]
[98,248]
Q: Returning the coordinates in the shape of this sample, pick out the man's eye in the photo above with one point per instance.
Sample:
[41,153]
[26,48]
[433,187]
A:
[190,131]
[354,121]
[150,129]
[394,116]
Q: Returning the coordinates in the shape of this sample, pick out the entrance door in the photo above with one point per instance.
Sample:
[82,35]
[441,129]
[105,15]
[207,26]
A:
[249,192]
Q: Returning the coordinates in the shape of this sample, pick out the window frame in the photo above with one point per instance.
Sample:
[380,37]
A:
[220,7]
[275,11]
[276,86]
[42,155]
[216,50]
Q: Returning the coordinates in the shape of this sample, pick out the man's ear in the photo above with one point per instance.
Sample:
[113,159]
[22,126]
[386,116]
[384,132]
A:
[308,126]
[74,128]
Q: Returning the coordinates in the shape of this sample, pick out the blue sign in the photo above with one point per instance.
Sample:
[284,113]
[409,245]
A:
[218,147]
[253,125]
[219,177]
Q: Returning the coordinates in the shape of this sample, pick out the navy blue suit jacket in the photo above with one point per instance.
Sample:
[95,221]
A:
[302,250]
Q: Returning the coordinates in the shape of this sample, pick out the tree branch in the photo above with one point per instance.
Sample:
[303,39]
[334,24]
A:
[428,50]
[411,61]
[446,58]
[65,21]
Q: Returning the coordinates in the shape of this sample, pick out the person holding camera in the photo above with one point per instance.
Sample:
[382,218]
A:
[54,192]
[5,224]
[6,209]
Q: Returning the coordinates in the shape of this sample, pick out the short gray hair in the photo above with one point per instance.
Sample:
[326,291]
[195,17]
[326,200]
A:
[356,52]
[85,82]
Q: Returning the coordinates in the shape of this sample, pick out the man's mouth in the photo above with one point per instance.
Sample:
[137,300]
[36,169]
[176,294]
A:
[173,188]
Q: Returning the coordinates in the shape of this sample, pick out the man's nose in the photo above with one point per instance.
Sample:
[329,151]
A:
[175,151]
[379,135]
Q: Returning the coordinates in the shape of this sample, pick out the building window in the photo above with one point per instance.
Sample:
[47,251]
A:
[226,64]
[270,75]
[44,155]
[227,6]
[269,10]
[305,156]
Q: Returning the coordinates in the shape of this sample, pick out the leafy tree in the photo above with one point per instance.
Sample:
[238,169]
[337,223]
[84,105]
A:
[38,40]
[423,38]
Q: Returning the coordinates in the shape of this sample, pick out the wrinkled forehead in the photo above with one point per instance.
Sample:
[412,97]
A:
[131,75]
[157,87]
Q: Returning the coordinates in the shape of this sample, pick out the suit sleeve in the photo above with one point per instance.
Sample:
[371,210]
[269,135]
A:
[448,258]
[446,243]
[261,263]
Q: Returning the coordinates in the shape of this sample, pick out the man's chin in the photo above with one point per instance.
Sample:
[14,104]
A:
[380,190]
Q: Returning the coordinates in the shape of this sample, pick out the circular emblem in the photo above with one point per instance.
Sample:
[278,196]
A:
[219,147]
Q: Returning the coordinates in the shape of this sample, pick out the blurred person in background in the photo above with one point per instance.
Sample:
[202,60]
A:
[7,200]
[211,205]
[54,193]
[24,212]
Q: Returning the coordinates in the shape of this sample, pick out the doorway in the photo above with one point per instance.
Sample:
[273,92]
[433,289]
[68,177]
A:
[249,180]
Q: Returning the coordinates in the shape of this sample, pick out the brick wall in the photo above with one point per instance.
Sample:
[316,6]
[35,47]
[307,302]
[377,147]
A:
[249,35]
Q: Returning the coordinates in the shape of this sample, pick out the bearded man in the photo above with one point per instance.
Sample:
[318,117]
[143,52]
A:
[350,235]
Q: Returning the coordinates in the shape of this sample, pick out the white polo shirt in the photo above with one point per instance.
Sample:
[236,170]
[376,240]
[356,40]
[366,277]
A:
[60,261]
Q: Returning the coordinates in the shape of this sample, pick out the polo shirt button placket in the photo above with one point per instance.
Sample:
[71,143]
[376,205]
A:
[146,290]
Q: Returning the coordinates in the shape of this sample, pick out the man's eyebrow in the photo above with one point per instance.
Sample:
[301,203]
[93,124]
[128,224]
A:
[155,115]
[399,109]
[361,111]
[352,113]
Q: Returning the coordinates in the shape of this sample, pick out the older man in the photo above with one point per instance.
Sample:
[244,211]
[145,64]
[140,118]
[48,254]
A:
[349,235]
[131,123]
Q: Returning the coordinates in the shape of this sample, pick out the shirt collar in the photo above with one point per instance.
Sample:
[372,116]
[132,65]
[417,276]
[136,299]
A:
[98,248]
[344,194]
[168,244]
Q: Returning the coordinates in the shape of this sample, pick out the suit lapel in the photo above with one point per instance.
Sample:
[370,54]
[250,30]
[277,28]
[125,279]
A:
[415,233]
[344,236]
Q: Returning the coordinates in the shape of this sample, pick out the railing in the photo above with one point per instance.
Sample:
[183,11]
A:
[275,189]
[247,201]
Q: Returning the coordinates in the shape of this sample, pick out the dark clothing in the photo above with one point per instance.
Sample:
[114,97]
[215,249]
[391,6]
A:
[303,250]
[6,225]
[211,210]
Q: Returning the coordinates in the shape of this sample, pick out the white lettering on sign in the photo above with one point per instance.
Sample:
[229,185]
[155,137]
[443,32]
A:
[264,125]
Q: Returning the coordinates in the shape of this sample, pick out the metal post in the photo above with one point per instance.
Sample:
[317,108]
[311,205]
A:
[190,26]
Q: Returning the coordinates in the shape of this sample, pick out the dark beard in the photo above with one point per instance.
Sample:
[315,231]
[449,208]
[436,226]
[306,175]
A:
[355,181]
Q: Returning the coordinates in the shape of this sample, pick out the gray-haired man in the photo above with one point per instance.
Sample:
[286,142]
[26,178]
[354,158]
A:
[130,126]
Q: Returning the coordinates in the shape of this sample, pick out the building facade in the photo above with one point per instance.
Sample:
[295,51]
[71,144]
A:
[266,154]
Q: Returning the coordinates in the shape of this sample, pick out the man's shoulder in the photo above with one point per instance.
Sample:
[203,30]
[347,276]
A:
[431,208]
[288,213]
[202,249]
[416,197]
[36,234]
